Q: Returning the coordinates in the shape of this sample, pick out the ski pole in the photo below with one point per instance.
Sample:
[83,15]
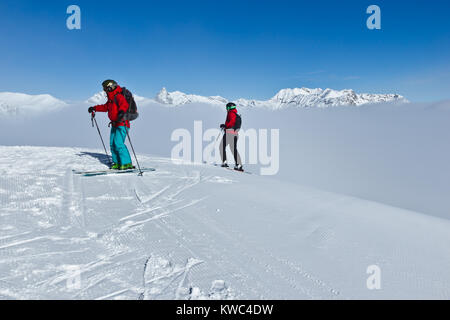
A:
[220,133]
[93,120]
[218,136]
[132,148]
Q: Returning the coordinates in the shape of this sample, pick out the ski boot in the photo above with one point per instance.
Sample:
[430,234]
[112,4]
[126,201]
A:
[115,166]
[224,165]
[126,166]
[239,168]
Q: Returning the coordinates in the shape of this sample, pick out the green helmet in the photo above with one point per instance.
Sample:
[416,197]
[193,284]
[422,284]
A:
[109,85]
[231,106]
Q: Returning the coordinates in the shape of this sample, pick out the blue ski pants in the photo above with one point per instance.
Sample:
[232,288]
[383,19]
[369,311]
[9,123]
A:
[119,150]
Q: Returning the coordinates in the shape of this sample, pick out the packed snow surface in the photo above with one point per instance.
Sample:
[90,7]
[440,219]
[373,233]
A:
[200,232]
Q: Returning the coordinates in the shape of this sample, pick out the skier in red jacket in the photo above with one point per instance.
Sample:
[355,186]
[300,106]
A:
[230,137]
[116,106]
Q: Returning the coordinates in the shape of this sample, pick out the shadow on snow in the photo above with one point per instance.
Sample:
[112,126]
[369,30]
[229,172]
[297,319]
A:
[102,158]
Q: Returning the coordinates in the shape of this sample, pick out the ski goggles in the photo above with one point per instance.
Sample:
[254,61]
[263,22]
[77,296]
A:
[108,89]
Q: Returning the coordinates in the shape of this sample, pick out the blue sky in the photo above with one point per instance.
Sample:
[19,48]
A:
[230,48]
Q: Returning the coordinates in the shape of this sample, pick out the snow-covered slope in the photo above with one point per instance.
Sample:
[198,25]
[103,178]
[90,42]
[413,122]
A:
[19,104]
[298,97]
[201,232]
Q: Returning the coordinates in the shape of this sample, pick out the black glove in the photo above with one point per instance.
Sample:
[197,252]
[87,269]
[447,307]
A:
[120,115]
[91,109]
[222,126]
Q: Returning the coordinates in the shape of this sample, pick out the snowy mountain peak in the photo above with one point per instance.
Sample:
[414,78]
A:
[18,104]
[177,98]
[295,92]
[97,98]
[100,98]
[163,94]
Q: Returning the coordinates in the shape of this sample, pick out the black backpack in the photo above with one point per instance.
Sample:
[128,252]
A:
[132,113]
[238,123]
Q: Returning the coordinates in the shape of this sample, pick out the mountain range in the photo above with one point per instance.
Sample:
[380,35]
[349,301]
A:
[285,98]
[19,103]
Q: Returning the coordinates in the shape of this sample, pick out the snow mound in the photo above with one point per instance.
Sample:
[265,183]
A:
[20,104]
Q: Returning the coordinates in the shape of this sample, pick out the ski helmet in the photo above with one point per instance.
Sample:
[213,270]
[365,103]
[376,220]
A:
[109,85]
[231,106]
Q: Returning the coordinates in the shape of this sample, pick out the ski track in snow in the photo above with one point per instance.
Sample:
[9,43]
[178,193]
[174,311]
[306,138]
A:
[53,201]
[174,234]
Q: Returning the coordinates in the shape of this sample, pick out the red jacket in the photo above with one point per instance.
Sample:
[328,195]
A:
[231,119]
[113,109]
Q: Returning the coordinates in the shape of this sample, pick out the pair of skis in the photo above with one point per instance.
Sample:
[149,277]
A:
[229,168]
[109,172]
